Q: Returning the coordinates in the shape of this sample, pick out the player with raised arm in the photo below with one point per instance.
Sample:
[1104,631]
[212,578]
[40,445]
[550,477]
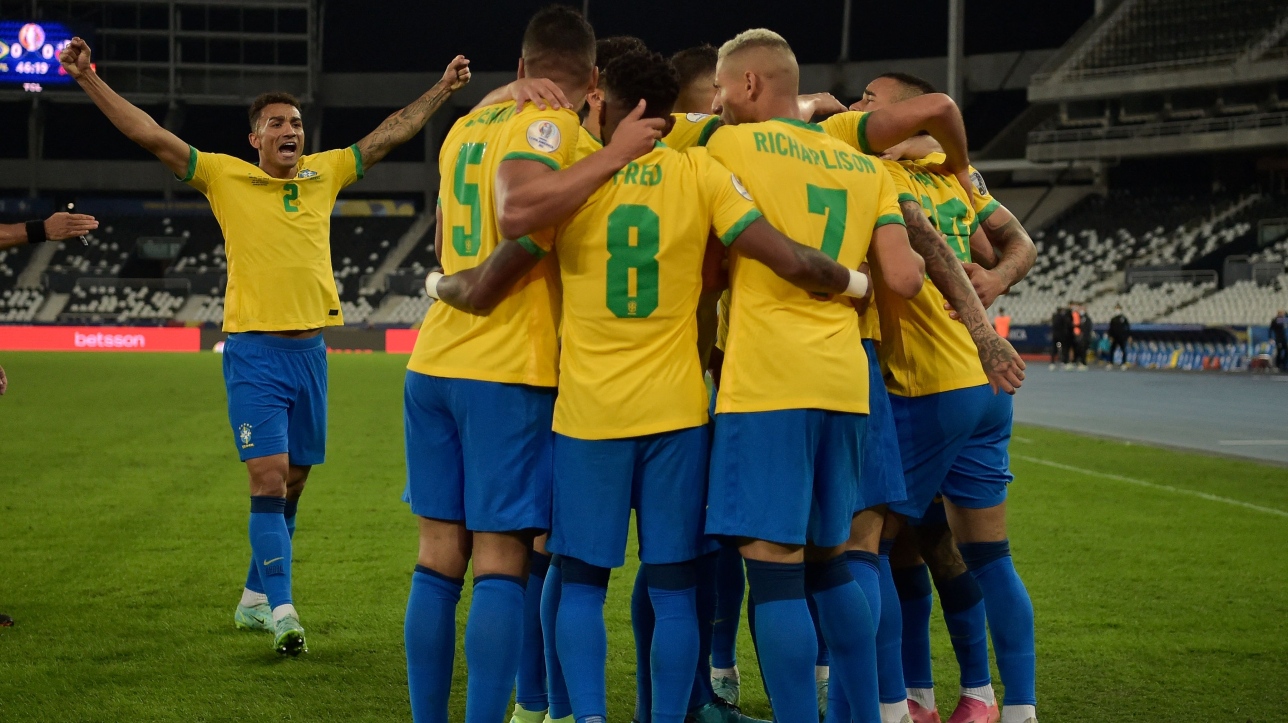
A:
[275,217]
[480,384]
[962,454]
[793,394]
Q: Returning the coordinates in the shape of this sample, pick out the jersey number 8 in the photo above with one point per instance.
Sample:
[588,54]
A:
[632,268]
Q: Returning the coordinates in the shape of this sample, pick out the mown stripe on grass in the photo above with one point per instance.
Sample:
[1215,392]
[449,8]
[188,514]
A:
[1153,485]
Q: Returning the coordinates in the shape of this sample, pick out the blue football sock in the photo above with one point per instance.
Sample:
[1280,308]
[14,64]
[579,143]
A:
[785,638]
[912,584]
[674,592]
[530,683]
[642,623]
[847,624]
[963,605]
[582,639]
[492,636]
[253,583]
[270,543]
[731,585]
[557,691]
[864,568]
[702,691]
[821,660]
[889,634]
[429,633]
[1010,617]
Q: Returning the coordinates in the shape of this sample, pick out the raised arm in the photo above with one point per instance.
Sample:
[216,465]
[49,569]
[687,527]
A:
[137,125]
[399,128]
[480,289]
[933,113]
[802,266]
[1002,365]
[1013,251]
[541,92]
[531,195]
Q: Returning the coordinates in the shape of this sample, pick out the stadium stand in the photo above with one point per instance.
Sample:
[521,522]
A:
[123,301]
[20,305]
[1244,303]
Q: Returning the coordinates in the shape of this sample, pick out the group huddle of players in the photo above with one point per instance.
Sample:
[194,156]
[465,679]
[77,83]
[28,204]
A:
[601,222]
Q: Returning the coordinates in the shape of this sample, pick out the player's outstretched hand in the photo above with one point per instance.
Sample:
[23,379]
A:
[635,135]
[63,225]
[912,149]
[541,92]
[4,382]
[75,58]
[815,104]
[457,74]
[1002,364]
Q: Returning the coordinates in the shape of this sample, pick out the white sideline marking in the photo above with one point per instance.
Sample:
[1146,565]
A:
[1153,485]
[1252,442]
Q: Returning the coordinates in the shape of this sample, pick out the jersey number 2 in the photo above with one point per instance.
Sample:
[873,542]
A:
[292,195]
[632,268]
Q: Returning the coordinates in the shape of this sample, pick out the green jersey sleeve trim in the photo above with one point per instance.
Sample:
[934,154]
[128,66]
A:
[988,210]
[524,156]
[889,218]
[357,161]
[711,127]
[908,198]
[974,225]
[863,134]
[527,243]
[736,230]
[192,164]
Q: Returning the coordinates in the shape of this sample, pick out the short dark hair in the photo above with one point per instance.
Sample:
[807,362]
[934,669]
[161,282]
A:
[558,40]
[266,99]
[609,49]
[913,86]
[693,63]
[643,74]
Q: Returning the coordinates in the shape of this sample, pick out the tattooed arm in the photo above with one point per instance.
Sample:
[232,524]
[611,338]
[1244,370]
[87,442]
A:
[401,126]
[1015,254]
[1002,365]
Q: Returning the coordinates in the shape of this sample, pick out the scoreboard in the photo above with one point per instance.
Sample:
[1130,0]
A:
[29,53]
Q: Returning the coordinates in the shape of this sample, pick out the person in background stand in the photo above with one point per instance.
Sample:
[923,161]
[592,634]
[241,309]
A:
[1277,329]
[1061,324]
[1082,335]
[1002,323]
[1119,335]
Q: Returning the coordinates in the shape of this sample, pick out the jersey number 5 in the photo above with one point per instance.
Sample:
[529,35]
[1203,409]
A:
[632,268]
[465,242]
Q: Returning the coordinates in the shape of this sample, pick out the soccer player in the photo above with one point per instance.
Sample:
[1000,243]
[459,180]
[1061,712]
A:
[275,216]
[793,402]
[480,385]
[953,430]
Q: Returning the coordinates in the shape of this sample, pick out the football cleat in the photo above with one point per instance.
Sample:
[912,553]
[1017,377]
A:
[289,638]
[720,711]
[922,715]
[820,689]
[523,715]
[566,719]
[258,617]
[726,688]
[974,710]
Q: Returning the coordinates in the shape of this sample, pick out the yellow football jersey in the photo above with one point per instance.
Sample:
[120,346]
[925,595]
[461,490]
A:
[277,237]
[630,260]
[923,351]
[516,342]
[787,349]
[691,129]
[849,127]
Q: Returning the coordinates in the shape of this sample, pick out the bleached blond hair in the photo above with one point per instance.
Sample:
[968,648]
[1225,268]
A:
[756,38]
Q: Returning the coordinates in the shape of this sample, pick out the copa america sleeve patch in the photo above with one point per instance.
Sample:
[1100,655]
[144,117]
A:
[977,180]
[741,189]
[696,117]
[543,136]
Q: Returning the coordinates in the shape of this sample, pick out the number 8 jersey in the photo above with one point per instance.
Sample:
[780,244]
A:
[787,349]
[630,260]
[516,342]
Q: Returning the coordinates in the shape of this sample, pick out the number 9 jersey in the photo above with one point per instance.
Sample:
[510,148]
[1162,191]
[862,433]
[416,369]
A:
[787,349]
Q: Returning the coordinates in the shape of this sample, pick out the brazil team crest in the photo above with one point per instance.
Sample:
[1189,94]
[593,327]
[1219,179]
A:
[306,173]
[243,433]
[544,136]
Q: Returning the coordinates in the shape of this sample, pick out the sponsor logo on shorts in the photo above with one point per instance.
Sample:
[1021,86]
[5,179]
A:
[544,136]
[243,433]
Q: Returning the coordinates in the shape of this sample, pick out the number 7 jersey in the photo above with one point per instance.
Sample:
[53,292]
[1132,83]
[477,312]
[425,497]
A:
[787,349]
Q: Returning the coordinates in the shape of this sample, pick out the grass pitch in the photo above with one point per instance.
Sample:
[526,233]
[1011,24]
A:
[123,551]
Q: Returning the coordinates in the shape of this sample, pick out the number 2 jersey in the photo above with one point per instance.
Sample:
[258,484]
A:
[923,350]
[277,237]
[515,343]
[787,349]
[631,264]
